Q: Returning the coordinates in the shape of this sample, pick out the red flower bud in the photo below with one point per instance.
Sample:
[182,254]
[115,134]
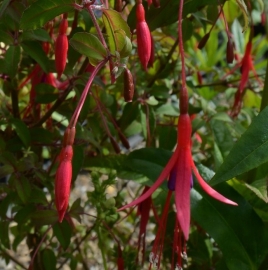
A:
[140,13]
[63,181]
[229,52]
[128,86]
[203,41]
[143,37]
[61,48]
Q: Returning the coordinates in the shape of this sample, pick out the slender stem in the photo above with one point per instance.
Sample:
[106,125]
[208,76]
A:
[183,91]
[15,102]
[78,109]
[264,100]
[60,100]
[92,15]
[101,248]
[39,245]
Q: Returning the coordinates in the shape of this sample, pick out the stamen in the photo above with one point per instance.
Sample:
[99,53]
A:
[178,267]
[184,256]
[151,257]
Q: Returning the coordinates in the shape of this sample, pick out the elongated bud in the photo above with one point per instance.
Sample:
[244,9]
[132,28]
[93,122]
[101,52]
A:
[229,51]
[140,13]
[203,41]
[128,86]
[61,49]
[156,3]
[69,136]
[63,181]
[63,27]
[143,37]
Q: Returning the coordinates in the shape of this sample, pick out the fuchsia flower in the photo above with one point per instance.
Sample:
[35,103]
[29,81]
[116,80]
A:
[179,172]
[246,65]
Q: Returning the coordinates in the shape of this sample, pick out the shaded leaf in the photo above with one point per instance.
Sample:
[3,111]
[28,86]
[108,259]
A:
[90,46]
[249,151]
[12,60]
[63,232]
[42,11]
[35,50]
[22,131]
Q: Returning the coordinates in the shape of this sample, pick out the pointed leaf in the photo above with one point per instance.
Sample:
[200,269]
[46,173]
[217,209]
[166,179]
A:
[34,50]
[90,46]
[116,28]
[22,131]
[42,11]
[12,60]
[3,6]
[63,232]
[249,152]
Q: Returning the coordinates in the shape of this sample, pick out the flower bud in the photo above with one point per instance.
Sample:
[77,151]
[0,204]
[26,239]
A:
[63,181]
[61,49]
[128,86]
[229,51]
[203,41]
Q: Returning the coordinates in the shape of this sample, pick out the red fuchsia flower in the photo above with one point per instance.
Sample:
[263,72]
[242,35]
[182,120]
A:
[63,176]
[61,47]
[143,36]
[246,65]
[63,181]
[179,172]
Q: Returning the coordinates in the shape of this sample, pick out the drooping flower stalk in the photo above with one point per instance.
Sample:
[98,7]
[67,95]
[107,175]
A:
[63,176]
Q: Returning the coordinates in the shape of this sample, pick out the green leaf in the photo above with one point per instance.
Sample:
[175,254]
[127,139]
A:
[42,11]
[249,152]
[238,231]
[148,161]
[45,93]
[38,34]
[3,7]
[78,160]
[116,28]
[22,131]
[22,187]
[44,217]
[5,37]
[89,45]
[35,50]
[63,232]
[4,233]
[12,60]
[49,259]
[6,170]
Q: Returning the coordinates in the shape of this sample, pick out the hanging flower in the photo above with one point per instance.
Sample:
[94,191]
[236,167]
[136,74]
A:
[179,171]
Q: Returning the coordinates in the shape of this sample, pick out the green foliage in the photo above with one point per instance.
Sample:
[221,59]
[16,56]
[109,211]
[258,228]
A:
[121,147]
